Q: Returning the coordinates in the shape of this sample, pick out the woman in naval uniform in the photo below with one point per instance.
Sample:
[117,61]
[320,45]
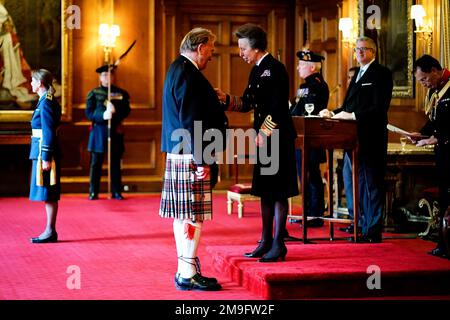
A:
[45,176]
[267,93]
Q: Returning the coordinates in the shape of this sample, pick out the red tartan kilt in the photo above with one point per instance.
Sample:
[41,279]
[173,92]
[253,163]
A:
[183,195]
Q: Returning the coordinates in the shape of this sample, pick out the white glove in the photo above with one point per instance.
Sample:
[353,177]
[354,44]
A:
[110,107]
[107,115]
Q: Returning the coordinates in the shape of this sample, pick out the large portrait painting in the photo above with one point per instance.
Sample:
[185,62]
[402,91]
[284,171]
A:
[388,23]
[33,35]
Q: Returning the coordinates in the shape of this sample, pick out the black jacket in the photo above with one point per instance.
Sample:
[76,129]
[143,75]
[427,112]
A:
[369,99]
[189,97]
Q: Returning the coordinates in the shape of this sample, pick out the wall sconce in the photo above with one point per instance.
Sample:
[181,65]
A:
[108,35]
[423,29]
[346,26]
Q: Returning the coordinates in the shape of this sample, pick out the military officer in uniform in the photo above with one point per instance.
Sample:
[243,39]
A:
[99,110]
[44,152]
[313,91]
[431,75]
[267,93]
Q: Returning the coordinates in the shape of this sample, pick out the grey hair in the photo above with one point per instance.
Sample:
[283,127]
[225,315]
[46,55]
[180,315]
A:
[372,43]
[196,37]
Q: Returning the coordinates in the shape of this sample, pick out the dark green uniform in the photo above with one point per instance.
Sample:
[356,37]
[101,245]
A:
[98,137]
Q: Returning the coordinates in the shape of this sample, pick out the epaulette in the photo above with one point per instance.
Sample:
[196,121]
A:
[49,96]
[99,91]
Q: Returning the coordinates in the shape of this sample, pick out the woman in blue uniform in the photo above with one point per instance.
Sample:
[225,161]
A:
[267,94]
[45,176]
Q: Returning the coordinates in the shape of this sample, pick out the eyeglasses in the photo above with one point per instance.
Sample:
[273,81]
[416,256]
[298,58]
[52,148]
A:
[362,49]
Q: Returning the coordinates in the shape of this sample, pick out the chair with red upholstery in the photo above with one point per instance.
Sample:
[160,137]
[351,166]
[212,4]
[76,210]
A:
[239,192]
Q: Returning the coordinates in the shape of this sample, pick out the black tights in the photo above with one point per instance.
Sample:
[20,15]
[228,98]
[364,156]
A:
[271,209]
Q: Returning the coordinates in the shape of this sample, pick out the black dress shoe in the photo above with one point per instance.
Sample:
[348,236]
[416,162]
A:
[117,196]
[274,254]
[369,239]
[52,238]
[315,223]
[439,252]
[350,229]
[197,282]
[262,248]
[177,275]
[93,196]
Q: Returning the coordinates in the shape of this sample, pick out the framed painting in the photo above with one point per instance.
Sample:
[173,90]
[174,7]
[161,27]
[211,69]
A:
[33,35]
[388,23]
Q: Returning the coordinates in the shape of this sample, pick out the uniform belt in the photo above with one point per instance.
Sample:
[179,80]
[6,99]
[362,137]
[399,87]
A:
[175,156]
[37,133]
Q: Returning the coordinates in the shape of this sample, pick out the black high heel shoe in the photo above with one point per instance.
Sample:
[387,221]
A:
[262,248]
[274,255]
[52,238]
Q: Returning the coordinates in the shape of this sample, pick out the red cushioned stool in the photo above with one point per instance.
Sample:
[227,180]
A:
[239,192]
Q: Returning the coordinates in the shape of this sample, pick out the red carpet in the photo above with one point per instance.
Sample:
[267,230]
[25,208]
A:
[124,250]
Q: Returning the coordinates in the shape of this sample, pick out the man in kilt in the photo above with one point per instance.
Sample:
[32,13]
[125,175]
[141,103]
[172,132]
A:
[190,109]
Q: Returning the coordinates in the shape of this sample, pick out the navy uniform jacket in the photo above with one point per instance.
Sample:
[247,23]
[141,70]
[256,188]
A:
[313,90]
[267,94]
[369,99]
[188,96]
[439,126]
[46,116]
[439,123]
[95,107]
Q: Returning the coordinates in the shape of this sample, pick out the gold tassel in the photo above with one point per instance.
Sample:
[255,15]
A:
[39,173]
[53,173]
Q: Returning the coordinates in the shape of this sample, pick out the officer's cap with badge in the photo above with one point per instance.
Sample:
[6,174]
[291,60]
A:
[105,67]
[309,56]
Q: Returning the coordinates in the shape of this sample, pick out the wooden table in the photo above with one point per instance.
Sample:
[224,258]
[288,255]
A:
[328,134]
[409,171]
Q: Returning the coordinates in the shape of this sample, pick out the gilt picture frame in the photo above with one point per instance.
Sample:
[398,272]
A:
[37,37]
[394,35]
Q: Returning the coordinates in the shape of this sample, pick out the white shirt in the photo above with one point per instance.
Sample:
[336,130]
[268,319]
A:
[364,68]
[259,61]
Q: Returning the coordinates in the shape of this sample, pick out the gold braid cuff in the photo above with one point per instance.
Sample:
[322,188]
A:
[268,125]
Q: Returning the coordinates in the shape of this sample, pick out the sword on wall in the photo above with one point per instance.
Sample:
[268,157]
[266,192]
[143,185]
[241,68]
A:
[111,67]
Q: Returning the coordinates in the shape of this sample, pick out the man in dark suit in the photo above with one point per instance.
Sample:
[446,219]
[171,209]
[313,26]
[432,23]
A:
[191,109]
[367,101]
[99,111]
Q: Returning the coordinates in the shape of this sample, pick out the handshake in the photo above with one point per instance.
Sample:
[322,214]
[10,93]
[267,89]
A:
[107,115]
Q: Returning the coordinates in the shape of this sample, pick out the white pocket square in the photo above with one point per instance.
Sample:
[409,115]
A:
[366,84]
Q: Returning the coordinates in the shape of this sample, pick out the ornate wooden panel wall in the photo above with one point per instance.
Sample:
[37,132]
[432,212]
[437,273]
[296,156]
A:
[142,162]
[227,70]
[158,26]
[318,22]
